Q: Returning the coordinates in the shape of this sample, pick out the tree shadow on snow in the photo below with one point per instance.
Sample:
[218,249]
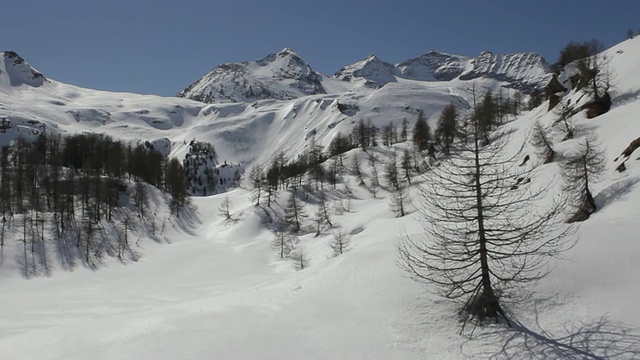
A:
[597,339]
[615,191]
[627,97]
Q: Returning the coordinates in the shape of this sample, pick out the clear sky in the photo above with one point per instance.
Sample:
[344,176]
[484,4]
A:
[160,47]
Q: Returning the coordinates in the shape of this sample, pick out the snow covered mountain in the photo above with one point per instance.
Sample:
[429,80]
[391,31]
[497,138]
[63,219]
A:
[521,71]
[222,280]
[14,71]
[283,76]
[433,66]
[374,71]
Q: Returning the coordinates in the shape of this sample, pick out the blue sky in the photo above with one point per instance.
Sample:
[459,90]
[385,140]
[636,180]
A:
[160,47]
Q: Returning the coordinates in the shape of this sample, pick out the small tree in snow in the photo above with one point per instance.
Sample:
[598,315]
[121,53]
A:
[283,242]
[295,213]
[225,208]
[391,172]
[399,200]
[580,170]
[322,217]
[356,169]
[375,180]
[563,113]
[340,243]
[542,142]
[299,258]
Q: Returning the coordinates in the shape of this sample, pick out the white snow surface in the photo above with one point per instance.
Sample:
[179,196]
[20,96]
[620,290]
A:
[219,291]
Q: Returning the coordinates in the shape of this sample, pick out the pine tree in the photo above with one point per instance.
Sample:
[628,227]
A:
[299,258]
[447,128]
[542,142]
[483,236]
[406,165]
[391,172]
[295,214]
[356,169]
[340,243]
[322,216]
[421,133]
[375,180]
[580,170]
[404,130]
[399,200]
[282,242]
[563,113]
[256,182]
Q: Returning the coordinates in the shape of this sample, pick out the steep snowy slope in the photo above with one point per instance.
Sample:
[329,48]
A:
[433,66]
[283,76]
[521,71]
[15,72]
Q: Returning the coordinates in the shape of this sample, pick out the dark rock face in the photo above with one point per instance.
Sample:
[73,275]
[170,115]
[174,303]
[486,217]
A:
[20,72]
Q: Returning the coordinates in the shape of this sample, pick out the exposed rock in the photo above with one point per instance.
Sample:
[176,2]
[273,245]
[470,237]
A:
[552,89]
[635,144]
[597,107]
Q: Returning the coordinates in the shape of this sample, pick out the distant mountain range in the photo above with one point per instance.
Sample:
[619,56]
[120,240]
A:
[285,75]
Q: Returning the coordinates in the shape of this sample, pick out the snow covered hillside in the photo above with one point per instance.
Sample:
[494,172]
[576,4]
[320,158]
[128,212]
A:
[283,76]
[218,289]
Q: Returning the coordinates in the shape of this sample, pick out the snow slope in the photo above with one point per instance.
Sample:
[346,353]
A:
[221,292]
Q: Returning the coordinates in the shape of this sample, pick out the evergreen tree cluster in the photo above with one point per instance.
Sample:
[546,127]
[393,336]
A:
[72,187]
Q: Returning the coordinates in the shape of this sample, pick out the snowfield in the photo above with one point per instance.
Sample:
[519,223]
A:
[215,289]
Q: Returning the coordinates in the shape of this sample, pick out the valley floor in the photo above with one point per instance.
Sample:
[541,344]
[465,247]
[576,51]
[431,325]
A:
[222,293]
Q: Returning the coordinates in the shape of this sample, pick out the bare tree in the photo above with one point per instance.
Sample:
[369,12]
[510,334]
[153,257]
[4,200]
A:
[322,215]
[542,142]
[256,182]
[295,213]
[399,201]
[356,169]
[282,241]
[225,208]
[405,164]
[391,172]
[299,258]
[579,171]
[375,180]
[564,112]
[485,238]
[340,243]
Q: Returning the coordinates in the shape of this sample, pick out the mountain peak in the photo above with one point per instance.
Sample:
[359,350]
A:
[374,71]
[15,71]
[287,52]
[282,76]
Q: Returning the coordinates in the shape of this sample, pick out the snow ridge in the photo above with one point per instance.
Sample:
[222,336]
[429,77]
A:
[520,71]
[282,76]
[376,72]
[14,72]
